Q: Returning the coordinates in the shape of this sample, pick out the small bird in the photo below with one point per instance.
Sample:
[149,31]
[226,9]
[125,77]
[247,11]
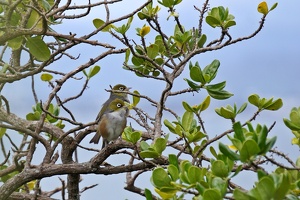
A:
[112,122]
[114,95]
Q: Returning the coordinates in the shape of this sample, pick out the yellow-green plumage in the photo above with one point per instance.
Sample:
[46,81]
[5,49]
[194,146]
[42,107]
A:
[112,117]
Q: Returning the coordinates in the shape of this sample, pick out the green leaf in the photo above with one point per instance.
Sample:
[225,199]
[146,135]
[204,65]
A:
[99,22]
[93,71]
[33,116]
[220,185]
[187,107]
[15,43]
[264,189]
[137,61]
[160,178]
[276,105]
[166,3]
[238,194]
[242,108]
[2,132]
[149,154]
[205,104]
[38,48]
[274,6]
[187,120]
[229,24]
[46,77]
[127,54]
[216,87]
[238,131]
[196,74]
[173,160]
[262,137]
[192,84]
[174,172]
[213,152]
[144,145]
[135,99]
[212,21]
[152,51]
[219,168]
[169,125]
[269,145]
[212,70]
[160,145]
[220,95]
[148,194]
[291,125]
[254,100]
[202,40]
[211,194]
[228,153]
[249,149]
[194,175]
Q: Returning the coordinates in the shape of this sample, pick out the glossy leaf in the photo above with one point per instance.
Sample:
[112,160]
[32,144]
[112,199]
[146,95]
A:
[15,43]
[274,6]
[212,21]
[219,168]
[194,175]
[160,178]
[135,99]
[254,99]
[242,108]
[212,70]
[187,107]
[229,24]
[152,51]
[211,194]
[160,145]
[228,153]
[2,132]
[238,194]
[249,149]
[264,189]
[99,22]
[38,48]
[238,131]
[196,74]
[187,120]
[173,171]
[169,125]
[218,94]
[148,194]
[46,77]
[149,154]
[173,160]
[205,104]
[276,105]
[192,84]
[93,71]
[202,41]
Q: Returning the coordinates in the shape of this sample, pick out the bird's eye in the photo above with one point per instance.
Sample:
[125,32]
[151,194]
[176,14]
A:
[119,105]
[121,88]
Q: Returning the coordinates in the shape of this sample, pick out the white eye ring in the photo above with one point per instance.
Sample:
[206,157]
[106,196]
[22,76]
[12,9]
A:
[121,88]
[119,105]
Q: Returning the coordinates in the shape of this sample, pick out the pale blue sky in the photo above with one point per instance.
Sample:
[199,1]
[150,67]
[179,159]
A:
[267,65]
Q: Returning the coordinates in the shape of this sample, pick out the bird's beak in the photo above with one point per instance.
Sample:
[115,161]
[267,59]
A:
[127,89]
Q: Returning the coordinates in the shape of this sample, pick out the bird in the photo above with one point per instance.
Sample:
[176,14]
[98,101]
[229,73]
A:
[111,122]
[113,95]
